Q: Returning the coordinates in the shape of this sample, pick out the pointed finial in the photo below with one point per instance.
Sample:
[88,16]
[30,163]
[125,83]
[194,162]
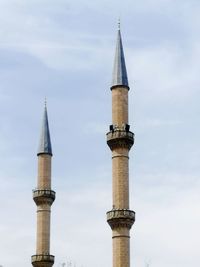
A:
[119,23]
[45,102]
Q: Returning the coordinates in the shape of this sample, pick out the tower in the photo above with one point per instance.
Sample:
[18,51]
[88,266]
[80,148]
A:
[44,197]
[120,141]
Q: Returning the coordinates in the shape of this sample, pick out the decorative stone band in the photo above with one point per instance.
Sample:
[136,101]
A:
[120,138]
[41,260]
[117,218]
[41,196]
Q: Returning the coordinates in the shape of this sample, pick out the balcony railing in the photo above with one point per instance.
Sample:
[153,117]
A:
[42,257]
[119,134]
[44,193]
[121,213]
[120,218]
[41,195]
[120,138]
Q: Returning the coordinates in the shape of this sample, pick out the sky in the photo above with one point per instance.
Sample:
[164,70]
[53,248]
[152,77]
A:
[64,51]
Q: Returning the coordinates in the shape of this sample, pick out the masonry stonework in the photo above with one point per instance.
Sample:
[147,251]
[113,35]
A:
[120,141]
[44,171]
[120,106]
[44,198]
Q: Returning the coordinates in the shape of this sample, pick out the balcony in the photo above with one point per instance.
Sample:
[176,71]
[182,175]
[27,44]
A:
[120,138]
[44,195]
[42,260]
[120,218]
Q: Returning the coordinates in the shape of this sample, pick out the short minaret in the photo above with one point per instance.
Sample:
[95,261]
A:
[44,197]
[120,141]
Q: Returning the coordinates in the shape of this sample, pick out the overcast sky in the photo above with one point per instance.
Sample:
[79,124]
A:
[64,50]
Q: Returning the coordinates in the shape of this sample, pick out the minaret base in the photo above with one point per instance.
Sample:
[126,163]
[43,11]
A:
[42,260]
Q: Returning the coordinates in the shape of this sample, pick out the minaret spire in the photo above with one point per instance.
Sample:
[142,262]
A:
[45,140]
[120,140]
[44,198]
[119,70]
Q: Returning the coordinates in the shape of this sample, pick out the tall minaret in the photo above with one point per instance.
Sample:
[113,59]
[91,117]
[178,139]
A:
[44,197]
[120,141]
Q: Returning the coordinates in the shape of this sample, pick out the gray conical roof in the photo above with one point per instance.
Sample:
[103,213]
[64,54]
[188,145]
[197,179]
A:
[45,140]
[119,70]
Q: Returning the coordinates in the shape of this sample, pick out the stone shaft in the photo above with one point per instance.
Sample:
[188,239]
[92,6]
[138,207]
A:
[44,171]
[120,140]
[120,178]
[119,106]
[43,197]
[121,247]
[43,226]
[43,208]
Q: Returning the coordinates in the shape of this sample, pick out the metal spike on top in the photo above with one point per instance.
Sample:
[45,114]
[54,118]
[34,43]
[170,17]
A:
[45,140]
[119,24]
[119,70]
